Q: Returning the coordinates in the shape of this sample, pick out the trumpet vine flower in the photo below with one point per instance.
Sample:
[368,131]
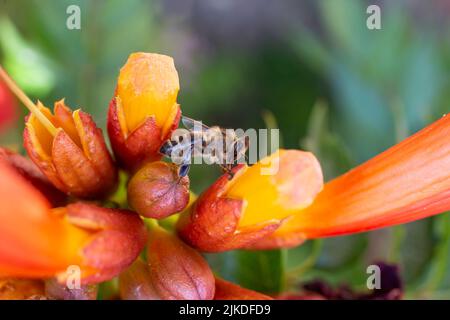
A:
[30,172]
[278,202]
[74,157]
[143,112]
[40,242]
[235,213]
[407,182]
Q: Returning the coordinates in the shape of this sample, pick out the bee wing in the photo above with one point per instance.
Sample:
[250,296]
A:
[192,124]
[242,143]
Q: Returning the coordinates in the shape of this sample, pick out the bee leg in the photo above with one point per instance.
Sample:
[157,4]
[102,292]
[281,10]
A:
[228,169]
[183,170]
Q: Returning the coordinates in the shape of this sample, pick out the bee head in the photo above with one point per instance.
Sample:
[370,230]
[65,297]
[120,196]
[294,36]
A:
[166,148]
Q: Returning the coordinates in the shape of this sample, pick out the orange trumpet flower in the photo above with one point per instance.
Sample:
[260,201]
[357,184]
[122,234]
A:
[144,112]
[233,214]
[75,158]
[28,170]
[67,147]
[407,182]
[30,232]
[39,242]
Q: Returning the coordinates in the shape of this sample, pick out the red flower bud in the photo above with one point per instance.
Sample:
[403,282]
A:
[177,271]
[116,237]
[229,291]
[157,191]
[143,112]
[76,159]
[135,283]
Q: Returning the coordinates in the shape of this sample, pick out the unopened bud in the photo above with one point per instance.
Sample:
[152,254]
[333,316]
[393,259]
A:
[135,283]
[157,191]
[177,271]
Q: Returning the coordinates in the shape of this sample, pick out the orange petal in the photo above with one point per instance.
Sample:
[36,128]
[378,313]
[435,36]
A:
[241,212]
[76,159]
[292,184]
[94,148]
[64,119]
[143,113]
[211,223]
[39,242]
[116,239]
[38,143]
[29,231]
[407,182]
[229,291]
[140,146]
[28,170]
[73,168]
[148,86]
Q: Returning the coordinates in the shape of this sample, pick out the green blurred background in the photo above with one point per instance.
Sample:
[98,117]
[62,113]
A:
[311,68]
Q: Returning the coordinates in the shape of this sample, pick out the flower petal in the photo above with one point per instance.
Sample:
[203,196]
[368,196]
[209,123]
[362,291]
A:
[29,231]
[229,291]
[245,211]
[407,182]
[117,238]
[143,112]
[28,170]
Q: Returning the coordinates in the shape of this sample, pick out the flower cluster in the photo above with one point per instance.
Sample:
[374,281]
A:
[56,212]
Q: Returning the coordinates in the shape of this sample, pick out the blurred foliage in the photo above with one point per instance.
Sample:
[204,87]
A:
[263,271]
[331,85]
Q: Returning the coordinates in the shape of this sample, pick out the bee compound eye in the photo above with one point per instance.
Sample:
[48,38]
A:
[166,148]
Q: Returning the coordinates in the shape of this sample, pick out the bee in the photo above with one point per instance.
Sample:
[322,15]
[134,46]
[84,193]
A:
[200,140]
